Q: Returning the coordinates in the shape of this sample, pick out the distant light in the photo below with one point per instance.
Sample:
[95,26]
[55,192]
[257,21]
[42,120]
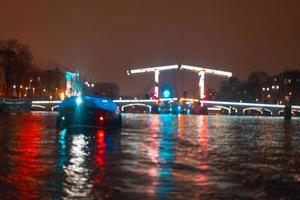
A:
[26,88]
[135,98]
[179,108]
[166,94]
[277,87]
[268,89]
[188,111]
[63,118]
[44,90]
[104,101]
[290,93]
[86,82]
[120,98]
[101,118]
[62,96]
[50,97]
[21,86]
[78,100]
[92,84]
[264,89]
[269,96]
[14,86]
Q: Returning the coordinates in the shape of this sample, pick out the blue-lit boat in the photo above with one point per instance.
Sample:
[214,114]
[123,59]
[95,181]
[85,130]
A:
[88,111]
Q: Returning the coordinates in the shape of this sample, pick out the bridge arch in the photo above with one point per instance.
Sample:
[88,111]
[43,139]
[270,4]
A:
[38,106]
[260,110]
[136,104]
[294,111]
[54,108]
[253,108]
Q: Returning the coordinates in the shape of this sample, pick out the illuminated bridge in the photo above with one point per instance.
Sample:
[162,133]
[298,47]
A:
[172,105]
[184,105]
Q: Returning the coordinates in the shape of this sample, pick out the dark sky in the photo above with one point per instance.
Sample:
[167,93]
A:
[104,38]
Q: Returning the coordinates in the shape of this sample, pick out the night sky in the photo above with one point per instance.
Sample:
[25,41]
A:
[104,38]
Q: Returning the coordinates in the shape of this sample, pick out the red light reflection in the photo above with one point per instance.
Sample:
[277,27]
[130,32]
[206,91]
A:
[100,154]
[29,167]
[202,178]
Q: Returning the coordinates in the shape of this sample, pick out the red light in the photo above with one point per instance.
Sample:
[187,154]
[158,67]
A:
[100,133]
[101,118]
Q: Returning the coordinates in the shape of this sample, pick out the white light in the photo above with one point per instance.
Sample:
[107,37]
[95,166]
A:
[152,69]
[78,100]
[245,104]
[264,89]
[93,85]
[206,70]
[214,109]
[46,102]
[142,100]
[14,86]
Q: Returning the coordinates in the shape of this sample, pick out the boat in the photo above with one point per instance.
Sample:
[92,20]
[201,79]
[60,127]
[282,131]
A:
[89,111]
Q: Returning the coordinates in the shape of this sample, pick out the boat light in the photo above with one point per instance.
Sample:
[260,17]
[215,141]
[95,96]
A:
[78,100]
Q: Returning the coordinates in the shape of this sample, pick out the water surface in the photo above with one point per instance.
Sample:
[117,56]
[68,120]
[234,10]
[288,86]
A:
[151,157]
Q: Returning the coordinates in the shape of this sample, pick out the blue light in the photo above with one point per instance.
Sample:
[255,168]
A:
[78,100]
[166,94]
[63,118]
[188,111]
[179,108]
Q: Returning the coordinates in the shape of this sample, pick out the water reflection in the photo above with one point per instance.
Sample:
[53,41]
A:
[28,167]
[82,162]
[152,157]
[168,132]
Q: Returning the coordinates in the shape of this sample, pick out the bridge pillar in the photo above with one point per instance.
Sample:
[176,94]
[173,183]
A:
[287,112]
[156,79]
[201,84]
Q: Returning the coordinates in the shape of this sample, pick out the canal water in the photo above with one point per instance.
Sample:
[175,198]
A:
[151,157]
